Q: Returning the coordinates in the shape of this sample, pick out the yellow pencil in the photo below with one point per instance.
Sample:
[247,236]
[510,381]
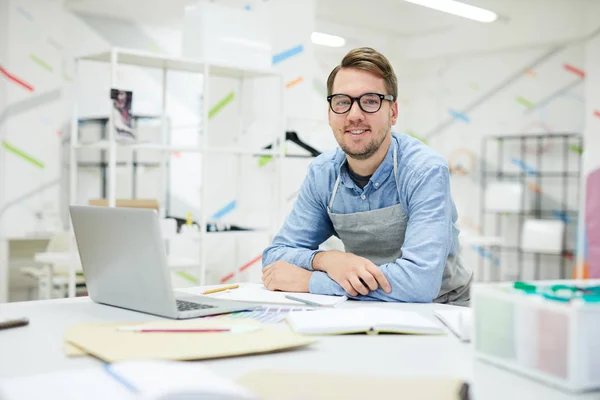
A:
[220,289]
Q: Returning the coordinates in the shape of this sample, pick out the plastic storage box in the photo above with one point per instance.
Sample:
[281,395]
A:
[547,330]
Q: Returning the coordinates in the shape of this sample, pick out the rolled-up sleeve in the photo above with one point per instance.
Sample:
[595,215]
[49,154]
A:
[417,275]
[306,227]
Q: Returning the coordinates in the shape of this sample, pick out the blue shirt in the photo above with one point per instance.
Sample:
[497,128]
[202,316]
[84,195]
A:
[423,192]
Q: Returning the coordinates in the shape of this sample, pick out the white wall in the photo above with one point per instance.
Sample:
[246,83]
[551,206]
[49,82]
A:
[502,79]
[4,29]
[55,35]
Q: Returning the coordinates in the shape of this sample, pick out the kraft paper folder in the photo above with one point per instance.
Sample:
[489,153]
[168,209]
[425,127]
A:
[271,385]
[105,342]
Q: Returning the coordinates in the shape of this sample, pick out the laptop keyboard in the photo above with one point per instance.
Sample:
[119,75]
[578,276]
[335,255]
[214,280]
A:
[183,305]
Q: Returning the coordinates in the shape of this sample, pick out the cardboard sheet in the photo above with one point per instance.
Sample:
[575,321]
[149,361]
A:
[271,384]
[104,341]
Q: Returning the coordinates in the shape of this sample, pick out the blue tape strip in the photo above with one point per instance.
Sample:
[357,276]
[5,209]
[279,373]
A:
[284,55]
[25,13]
[459,115]
[486,254]
[562,216]
[523,166]
[225,210]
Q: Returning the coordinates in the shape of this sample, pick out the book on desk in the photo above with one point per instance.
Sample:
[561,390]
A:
[361,320]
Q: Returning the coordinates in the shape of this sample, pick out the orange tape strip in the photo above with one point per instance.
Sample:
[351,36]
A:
[294,82]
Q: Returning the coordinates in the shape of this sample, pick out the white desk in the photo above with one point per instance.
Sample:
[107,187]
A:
[38,348]
[18,251]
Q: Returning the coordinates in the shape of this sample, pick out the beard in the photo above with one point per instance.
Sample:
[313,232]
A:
[370,149]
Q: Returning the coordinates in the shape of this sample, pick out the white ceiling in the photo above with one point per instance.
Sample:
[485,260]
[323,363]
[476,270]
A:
[390,17]
[389,23]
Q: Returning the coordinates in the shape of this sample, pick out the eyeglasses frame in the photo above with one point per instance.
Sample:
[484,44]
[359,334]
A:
[357,99]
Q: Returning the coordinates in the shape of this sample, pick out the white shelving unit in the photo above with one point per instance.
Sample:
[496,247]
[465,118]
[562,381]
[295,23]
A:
[120,56]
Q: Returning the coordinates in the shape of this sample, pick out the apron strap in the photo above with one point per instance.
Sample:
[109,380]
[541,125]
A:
[335,188]
[337,181]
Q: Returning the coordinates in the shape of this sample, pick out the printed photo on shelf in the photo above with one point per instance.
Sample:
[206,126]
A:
[121,113]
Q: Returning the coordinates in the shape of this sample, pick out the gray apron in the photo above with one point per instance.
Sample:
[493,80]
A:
[378,235]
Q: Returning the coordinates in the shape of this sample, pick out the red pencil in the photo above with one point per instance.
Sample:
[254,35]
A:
[180,330]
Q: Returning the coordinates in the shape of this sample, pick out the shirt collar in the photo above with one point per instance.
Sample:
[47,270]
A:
[380,174]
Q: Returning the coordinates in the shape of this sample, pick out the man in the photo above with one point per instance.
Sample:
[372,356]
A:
[386,196]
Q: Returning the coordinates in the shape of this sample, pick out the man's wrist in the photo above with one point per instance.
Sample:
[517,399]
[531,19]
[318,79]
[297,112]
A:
[320,262]
[317,262]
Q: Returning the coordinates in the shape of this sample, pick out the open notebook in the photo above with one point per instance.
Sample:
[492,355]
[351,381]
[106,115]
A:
[362,319]
[458,321]
[164,380]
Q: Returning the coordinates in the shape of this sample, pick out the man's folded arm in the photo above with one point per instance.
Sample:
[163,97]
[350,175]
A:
[417,275]
[306,227]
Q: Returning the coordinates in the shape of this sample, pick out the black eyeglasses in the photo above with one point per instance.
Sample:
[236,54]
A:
[368,102]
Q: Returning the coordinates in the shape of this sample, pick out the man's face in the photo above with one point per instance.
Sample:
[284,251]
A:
[360,134]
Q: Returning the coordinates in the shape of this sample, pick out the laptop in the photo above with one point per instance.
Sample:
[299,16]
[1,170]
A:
[124,262]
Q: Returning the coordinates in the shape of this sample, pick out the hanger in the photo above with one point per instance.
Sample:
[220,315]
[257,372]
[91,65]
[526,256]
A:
[292,136]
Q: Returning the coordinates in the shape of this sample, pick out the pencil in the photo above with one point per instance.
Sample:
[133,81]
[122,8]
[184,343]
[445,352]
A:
[220,289]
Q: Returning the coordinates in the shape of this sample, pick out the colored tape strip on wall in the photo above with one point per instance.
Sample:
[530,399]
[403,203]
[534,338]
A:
[40,62]
[225,210]
[188,277]
[524,102]
[221,104]
[523,166]
[16,80]
[22,154]
[294,82]
[241,269]
[264,160]
[284,55]
[458,115]
[25,13]
[577,71]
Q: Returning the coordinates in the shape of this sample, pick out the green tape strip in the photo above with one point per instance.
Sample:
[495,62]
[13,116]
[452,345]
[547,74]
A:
[67,77]
[217,107]
[188,277]
[524,102]
[41,62]
[422,139]
[576,149]
[22,154]
[264,160]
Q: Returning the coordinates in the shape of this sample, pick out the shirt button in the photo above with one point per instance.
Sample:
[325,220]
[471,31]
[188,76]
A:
[376,184]
[363,197]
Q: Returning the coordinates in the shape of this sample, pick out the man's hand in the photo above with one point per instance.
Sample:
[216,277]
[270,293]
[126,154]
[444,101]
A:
[286,277]
[355,274]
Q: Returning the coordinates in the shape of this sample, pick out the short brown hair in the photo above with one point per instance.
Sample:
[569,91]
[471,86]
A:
[367,59]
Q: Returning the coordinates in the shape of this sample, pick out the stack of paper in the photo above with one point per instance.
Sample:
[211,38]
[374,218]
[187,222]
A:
[458,321]
[257,293]
[127,380]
